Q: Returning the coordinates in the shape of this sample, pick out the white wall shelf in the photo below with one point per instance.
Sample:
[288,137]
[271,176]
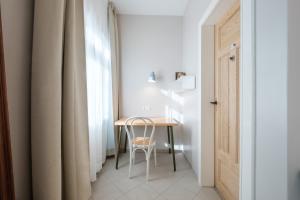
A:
[185,83]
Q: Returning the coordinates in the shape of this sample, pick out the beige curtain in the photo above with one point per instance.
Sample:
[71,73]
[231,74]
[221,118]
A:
[115,58]
[60,157]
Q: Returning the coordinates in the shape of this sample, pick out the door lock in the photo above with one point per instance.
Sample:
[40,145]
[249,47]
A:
[214,102]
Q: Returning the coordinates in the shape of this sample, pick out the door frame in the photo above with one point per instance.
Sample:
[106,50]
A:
[214,12]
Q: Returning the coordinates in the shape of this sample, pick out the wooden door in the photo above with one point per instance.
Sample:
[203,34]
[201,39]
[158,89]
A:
[227,64]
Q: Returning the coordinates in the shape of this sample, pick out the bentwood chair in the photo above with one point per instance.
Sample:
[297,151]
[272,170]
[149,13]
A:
[145,143]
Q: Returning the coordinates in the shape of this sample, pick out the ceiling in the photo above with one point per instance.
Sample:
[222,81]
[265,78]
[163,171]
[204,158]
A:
[151,7]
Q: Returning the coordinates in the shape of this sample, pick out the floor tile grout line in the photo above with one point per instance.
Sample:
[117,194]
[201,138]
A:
[161,192]
[158,193]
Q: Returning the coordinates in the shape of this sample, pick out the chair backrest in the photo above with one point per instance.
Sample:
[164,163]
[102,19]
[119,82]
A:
[145,122]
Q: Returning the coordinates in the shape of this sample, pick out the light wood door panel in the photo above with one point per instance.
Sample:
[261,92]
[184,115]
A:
[227,121]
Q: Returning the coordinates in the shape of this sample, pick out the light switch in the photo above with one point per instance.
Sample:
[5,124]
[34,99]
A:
[146,108]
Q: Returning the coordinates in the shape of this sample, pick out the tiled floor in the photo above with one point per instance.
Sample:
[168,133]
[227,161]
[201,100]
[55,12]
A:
[164,184]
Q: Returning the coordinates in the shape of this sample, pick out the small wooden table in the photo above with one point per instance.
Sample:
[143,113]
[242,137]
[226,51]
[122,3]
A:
[159,122]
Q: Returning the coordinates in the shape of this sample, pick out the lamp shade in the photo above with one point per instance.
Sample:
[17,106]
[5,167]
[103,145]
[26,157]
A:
[152,78]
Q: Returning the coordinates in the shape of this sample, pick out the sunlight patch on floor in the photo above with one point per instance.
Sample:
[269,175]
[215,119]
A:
[164,184]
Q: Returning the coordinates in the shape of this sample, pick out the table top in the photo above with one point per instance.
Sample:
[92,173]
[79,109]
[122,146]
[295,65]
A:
[158,121]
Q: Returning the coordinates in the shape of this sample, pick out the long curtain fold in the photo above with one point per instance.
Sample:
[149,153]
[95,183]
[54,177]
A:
[115,64]
[59,137]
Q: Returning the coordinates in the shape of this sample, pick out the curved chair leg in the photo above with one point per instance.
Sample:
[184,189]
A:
[130,162]
[148,165]
[155,159]
[133,158]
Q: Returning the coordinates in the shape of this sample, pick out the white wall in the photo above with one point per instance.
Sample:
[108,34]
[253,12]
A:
[191,55]
[271,99]
[293,100]
[150,43]
[277,101]
[17,19]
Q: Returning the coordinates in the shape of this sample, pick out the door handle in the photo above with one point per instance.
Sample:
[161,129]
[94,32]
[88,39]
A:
[232,58]
[214,102]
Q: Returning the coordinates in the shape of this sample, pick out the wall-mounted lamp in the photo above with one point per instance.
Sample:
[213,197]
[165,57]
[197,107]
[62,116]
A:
[152,78]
